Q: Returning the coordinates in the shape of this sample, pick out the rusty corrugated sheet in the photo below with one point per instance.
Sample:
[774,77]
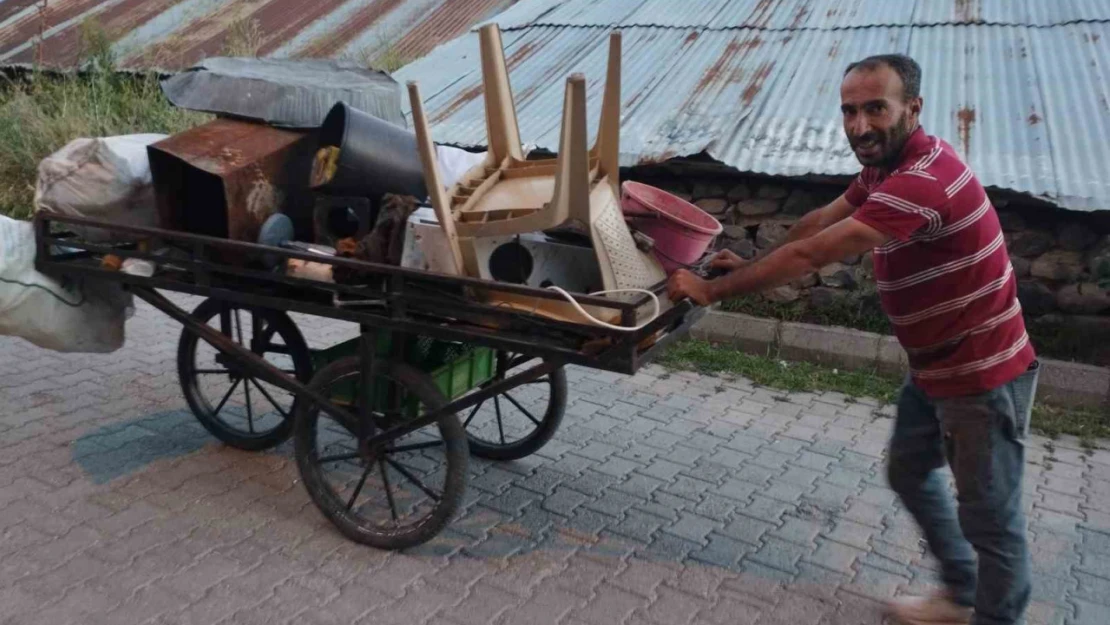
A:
[173,34]
[752,83]
[799,14]
[289,93]
[755,84]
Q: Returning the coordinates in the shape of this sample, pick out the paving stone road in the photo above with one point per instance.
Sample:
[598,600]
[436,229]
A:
[665,499]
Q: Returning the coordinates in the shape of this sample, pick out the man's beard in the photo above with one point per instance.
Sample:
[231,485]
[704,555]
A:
[890,142]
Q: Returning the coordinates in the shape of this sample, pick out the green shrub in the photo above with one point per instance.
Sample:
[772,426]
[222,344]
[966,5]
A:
[859,310]
[41,113]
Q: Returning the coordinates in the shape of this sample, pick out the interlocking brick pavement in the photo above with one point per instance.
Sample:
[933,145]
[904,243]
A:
[666,498]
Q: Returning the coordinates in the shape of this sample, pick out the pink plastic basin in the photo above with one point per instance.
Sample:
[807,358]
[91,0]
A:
[682,231]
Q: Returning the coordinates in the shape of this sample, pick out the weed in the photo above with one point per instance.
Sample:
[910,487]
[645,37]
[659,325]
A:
[390,60]
[859,310]
[384,55]
[95,45]
[1052,421]
[42,113]
[244,38]
[1052,336]
[701,356]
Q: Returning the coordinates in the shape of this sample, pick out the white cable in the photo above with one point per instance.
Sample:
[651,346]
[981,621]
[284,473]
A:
[596,321]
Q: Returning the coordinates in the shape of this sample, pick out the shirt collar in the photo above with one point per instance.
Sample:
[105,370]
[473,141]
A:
[917,144]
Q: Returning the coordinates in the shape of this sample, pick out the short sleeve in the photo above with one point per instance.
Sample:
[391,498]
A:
[902,205]
[857,192]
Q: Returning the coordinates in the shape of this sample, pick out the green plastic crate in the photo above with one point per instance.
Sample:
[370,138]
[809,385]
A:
[466,372]
[454,368]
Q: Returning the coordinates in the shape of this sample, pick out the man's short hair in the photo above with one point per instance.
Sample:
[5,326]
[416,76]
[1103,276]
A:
[906,68]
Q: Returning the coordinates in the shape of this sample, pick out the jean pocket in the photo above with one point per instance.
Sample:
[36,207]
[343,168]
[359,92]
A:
[1023,390]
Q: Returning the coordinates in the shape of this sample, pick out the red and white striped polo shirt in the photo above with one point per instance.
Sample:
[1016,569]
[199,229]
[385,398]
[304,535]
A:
[945,280]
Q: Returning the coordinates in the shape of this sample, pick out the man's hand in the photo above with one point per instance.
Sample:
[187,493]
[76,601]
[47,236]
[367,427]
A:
[727,260]
[789,262]
[683,283]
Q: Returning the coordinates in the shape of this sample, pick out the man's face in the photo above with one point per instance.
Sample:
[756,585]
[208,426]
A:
[877,119]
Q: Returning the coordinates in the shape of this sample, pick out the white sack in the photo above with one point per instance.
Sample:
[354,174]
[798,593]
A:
[85,316]
[454,162]
[106,178]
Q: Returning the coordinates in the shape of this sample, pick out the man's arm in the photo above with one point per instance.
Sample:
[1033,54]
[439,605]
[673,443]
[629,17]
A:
[793,260]
[813,222]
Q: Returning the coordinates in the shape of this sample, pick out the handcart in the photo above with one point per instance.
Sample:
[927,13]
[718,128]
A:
[382,425]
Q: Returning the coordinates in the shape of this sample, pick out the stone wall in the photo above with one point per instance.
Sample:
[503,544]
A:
[1055,253]
[1057,256]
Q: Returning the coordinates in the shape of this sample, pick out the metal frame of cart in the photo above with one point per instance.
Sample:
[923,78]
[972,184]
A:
[386,403]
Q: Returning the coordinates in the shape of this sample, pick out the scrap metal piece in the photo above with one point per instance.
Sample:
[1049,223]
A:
[340,217]
[226,177]
[383,245]
[288,93]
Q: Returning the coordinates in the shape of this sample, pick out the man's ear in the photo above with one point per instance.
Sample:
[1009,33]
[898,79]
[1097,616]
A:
[916,104]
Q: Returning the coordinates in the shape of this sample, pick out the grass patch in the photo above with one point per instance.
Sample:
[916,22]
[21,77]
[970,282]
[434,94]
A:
[1088,425]
[1052,337]
[244,38]
[703,357]
[389,61]
[1063,339]
[384,55]
[859,311]
[39,114]
[753,304]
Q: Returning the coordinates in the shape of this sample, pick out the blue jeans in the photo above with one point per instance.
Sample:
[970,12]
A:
[982,438]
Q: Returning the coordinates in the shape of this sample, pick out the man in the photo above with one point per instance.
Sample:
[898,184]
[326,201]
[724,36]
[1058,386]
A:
[946,282]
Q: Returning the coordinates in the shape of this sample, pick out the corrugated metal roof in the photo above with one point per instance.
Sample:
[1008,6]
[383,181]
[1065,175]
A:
[1019,86]
[173,34]
[798,14]
[1024,98]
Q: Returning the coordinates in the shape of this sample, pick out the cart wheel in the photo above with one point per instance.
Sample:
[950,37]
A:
[519,422]
[242,411]
[394,498]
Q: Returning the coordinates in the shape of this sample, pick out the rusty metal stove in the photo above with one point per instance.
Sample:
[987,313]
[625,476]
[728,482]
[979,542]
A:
[226,177]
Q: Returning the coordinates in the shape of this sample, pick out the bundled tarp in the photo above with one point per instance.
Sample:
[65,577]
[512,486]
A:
[106,179]
[288,93]
[103,178]
[64,316]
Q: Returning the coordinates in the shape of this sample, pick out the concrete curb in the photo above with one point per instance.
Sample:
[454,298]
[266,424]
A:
[1061,383]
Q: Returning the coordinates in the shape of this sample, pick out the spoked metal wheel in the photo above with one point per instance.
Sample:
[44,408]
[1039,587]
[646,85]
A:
[241,410]
[520,421]
[394,497]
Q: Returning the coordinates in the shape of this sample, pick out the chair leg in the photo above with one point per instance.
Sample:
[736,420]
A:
[571,199]
[501,123]
[606,146]
[440,201]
